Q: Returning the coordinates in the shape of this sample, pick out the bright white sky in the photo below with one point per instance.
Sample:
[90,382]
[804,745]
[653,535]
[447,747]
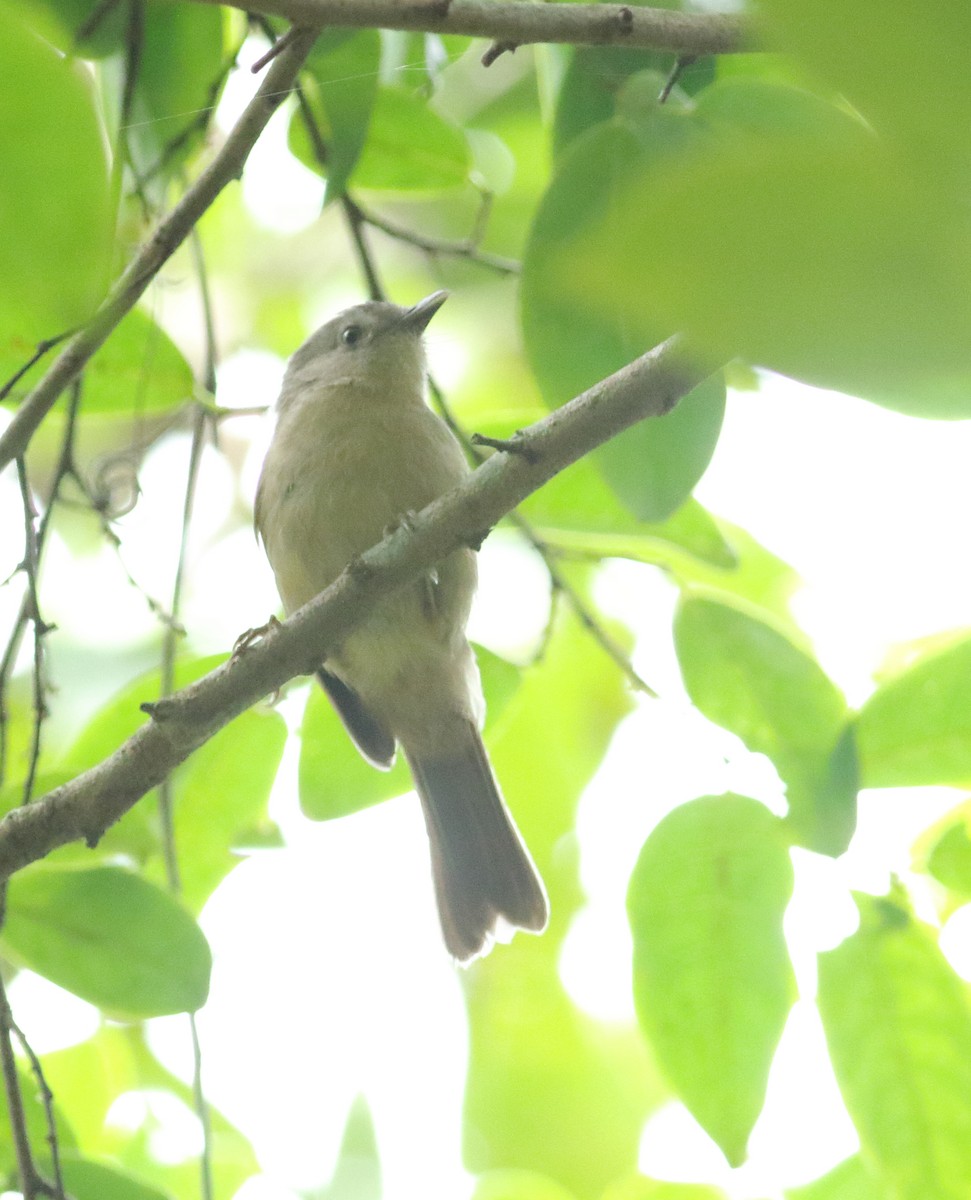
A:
[869,506]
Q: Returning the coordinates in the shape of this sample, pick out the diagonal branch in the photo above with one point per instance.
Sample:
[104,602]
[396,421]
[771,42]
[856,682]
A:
[517,24]
[84,808]
[159,247]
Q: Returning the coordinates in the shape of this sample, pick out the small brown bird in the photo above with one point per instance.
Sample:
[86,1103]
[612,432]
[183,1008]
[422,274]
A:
[356,449]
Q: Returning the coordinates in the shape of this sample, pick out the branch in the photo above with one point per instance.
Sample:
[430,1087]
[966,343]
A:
[154,253]
[521,23]
[85,807]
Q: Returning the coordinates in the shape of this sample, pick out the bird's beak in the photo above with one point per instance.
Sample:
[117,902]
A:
[417,317]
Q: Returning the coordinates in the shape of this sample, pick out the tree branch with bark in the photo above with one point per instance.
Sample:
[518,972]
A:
[86,806]
[519,24]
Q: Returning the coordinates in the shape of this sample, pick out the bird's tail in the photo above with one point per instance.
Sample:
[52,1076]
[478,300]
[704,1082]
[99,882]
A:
[483,872]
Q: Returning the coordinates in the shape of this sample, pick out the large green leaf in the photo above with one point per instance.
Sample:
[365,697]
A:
[916,728]
[138,372]
[179,73]
[86,1179]
[110,937]
[852,1179]
[546,1082]
[219,796]
[786,188]
[410,147]
[343,74]
[35,1120]
[55,206]
[639,1187]
[749,677]
[573,341]
[898,1025]
[87,1079]
[712,980]
[923,119]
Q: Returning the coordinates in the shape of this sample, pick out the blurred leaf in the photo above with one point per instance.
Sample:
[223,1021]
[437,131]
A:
[576,509]
[788,188]
[572,343]
[35,1119]
[945,849]
[712,980]
[650,464]
[512,1184]
[546,1082]
[919,119]
[357,1175]
[68,16]
[916,728]
[108,936]
[179,76]
[410,147]
[639,1187]
[596,75]
[122,716]
[138,371]
[850,1180]
[220,795]
[88,1180]
[89,1077]
[54,196]
[750,678]
[344,74]
[334,780]
[898,1025]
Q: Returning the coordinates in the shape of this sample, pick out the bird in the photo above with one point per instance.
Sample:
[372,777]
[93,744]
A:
[357,451]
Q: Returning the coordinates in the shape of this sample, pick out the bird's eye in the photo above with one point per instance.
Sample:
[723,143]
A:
[352,335]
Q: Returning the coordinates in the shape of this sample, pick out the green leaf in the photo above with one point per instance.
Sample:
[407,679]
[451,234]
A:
[916,728]
[573,343]
[334,780]
[344,75]
[918,121]
[948,853]
[220,798]
[219,795]
[639,1187]
[882,307]
[54,194]
[748,677]
[898,1025]
[518,1184]
[545,1100]
[712,979]
[850,1180]
[35,1120]
[179,78]
[108,936]
[597,78]
[85,1179]
[88,1077]
[139,371]
[410,147]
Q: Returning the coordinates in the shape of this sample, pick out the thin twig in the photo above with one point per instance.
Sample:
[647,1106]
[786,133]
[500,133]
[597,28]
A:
[165,797]
[42,348]
[441,247]
[32,1183]
[47,1102]
[31,566]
